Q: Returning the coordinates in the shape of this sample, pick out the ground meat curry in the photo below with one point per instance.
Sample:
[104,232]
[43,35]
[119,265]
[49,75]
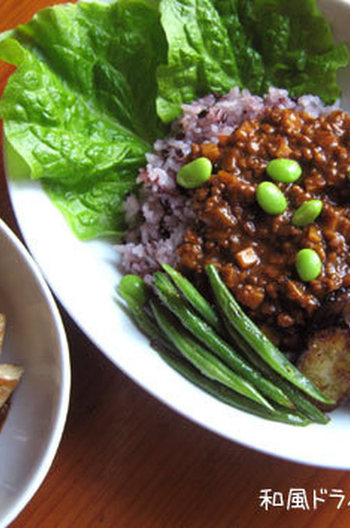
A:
[256,252]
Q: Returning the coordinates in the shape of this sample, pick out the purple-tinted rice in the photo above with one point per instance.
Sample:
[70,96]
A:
[163,206]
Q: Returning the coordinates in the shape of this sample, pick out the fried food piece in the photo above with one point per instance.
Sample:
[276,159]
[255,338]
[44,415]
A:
[9,379]
[2,329]
[10,375]
[327,363]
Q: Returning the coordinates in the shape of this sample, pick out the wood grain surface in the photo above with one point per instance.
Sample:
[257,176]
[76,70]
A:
[127,461]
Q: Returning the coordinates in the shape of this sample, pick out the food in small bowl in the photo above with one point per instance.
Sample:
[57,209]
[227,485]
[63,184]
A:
[35,340]
[10,376]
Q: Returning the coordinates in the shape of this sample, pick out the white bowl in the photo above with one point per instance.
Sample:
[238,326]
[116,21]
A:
[84,276]
[35,339]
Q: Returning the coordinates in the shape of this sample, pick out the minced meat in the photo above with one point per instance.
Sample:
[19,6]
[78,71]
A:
[255,251]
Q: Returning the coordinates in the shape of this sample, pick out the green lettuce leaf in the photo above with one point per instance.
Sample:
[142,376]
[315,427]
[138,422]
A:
[283,43]
[201,58]
[80,109]
[297,47]
[250,64]
[97,208]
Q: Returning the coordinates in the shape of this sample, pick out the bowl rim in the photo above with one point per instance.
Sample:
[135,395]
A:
[63,401]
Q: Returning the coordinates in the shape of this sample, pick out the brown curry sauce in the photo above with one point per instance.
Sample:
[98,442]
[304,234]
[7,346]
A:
[256,252]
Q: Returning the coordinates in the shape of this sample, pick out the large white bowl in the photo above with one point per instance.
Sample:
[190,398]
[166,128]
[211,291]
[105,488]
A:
[84,276]
[35,339]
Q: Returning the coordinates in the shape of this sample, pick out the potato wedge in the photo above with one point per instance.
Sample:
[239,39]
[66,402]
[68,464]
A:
[327,362]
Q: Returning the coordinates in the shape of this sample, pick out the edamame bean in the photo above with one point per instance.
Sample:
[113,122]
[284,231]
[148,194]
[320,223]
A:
[307,213]
[308,264]
[270,198]
[195,173]
[284,170]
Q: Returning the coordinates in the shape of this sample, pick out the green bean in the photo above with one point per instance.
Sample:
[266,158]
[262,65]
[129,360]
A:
[257,339]
[129,289]
[208,364]
[304,405]
[133,290]
[195,173]
[270,198]
[301,403]
[308,264]
[296,397]
[204,333]
[229,397]
[284,170]
[195,298]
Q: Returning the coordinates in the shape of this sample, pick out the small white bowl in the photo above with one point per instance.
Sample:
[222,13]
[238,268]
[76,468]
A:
[35,339]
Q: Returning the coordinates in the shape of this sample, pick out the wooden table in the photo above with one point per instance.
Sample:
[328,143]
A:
[127,461]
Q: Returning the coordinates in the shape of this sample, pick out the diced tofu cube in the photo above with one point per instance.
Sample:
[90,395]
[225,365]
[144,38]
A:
[246,258]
